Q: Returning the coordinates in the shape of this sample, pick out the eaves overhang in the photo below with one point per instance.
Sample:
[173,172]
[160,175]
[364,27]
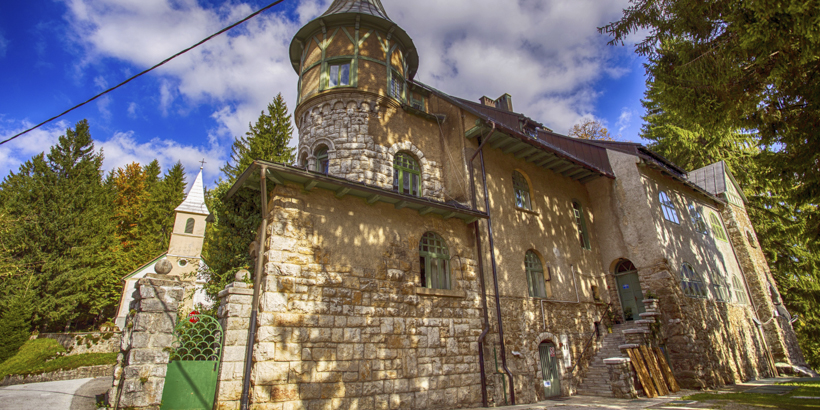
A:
[665,171]
[281,174]
[516,143]
[536,151]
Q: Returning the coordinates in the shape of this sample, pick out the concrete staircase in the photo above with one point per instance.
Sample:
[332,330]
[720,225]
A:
[596,380]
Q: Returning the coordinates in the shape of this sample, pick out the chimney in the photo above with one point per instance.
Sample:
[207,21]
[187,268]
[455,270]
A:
[504,103]
[487,101]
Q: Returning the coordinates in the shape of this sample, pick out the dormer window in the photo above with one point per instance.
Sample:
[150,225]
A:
[338,74]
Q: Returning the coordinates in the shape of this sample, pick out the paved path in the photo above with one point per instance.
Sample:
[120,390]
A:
[78,394]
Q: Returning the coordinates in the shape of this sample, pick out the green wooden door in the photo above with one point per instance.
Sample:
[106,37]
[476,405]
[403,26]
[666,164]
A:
[629,289]
[190,382]
[549,370]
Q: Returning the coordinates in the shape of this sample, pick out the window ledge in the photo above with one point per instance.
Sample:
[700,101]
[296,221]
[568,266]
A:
[526,211]
[450,293]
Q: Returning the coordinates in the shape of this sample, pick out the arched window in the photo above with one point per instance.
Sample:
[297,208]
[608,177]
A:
[522,191]
[535,275]
[717,228]
[322,162]
[625,266]
[697,220]
[434,259]
[740,292]
[668,207]
[406,174]
[720,288]
[691,282]
[581,224]
[189,225]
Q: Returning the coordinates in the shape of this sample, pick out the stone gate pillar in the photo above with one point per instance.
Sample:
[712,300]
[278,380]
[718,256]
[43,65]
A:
[139,375]
[234,316]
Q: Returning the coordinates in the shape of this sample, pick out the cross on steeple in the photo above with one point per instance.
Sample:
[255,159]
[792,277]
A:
[203,163]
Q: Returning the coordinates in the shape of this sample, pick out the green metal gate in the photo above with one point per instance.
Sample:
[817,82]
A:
[190,383]
[549,369]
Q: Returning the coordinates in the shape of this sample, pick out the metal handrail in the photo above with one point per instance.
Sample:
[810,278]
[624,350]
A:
[595,333]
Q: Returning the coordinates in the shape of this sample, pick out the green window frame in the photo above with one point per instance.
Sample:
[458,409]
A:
[739,290]
[322,161]
[189,225]
[697,220]
[717,228]
[535,275]
[396,85]
[668,207]
[434,262]
[339,74]
[581,224]
[522,191]
[691,282]
[406,174]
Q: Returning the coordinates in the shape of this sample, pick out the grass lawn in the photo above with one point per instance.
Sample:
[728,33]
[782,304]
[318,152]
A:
[771,401]
[41,356]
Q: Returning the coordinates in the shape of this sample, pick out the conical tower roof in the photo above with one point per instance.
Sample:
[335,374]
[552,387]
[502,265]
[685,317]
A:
[371,7]
[194,202]
[370,12]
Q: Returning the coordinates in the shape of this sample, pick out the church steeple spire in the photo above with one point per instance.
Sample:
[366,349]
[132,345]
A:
[194,202]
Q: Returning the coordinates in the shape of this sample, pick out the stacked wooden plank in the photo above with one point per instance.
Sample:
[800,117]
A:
[653,371]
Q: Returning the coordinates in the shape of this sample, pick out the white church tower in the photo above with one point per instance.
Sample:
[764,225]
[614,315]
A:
[184,252]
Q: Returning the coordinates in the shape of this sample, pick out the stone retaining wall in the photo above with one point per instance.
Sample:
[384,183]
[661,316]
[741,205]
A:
[86,342]
[78,373]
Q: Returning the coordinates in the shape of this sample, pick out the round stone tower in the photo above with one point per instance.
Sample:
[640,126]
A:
[353,64]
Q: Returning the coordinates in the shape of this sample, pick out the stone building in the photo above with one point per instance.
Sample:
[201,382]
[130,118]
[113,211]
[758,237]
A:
[184,253]
[432,252]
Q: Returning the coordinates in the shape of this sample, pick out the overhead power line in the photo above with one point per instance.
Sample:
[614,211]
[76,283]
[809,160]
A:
[203,41]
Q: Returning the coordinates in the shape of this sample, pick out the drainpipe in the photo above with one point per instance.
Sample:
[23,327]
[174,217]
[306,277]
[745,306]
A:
[480,154]
[486,328]
[257,284]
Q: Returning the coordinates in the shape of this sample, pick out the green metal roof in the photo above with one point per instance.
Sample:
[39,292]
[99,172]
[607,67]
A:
[309,180]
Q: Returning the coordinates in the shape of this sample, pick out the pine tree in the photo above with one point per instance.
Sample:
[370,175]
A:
[15,326]
[266,140]
[228,239]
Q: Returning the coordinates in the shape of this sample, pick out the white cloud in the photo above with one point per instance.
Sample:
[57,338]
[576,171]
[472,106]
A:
[17,151]
[132,110]
[546,53]
[624,120]
[119,150]
[123,149]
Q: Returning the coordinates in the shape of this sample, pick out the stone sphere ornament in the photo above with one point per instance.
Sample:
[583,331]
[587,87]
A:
[163,267]
[242,275]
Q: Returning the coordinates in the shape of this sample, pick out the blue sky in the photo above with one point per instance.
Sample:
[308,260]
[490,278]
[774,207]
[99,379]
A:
[53,54]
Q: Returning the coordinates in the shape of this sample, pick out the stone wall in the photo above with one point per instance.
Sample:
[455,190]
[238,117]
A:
[234,317]
[139,375]
[78,373]
[357,332]
[779,333]
[86,342]
[351,126]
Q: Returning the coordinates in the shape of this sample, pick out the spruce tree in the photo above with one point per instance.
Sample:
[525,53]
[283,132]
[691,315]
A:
[64,232]
[15,326]
[237,218]
[266,140]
